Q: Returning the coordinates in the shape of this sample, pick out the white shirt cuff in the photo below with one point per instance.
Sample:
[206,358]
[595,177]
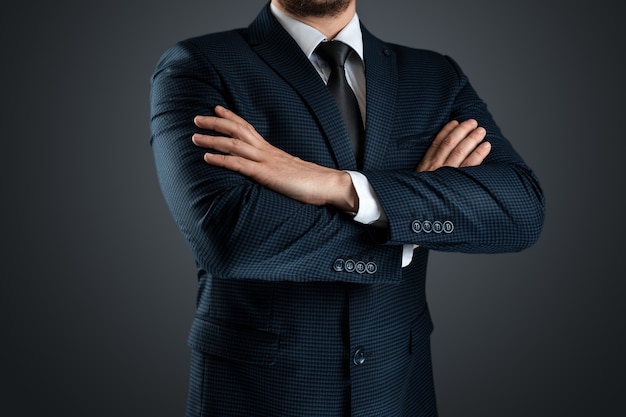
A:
[370,209]
[407,255]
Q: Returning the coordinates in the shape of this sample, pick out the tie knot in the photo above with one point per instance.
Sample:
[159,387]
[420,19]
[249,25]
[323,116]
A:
[333,52]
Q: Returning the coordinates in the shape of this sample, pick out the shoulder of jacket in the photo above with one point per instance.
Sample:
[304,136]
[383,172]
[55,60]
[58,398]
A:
[215,40]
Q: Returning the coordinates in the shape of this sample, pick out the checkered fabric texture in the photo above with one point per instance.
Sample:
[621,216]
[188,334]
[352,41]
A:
[301,311]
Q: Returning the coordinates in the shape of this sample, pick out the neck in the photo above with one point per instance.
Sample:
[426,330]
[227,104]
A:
[329,26]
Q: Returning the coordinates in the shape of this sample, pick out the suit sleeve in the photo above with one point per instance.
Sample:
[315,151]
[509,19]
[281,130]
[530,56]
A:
[492,208]
[235,228]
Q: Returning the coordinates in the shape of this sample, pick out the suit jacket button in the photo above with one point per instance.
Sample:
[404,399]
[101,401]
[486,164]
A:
[416,226]
[448,226]
[358,358]
[427,226]
[361,267]
[371,268]
[437,227]
[339,264]
[350,265]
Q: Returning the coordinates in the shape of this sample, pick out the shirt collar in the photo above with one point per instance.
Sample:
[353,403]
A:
[307,37]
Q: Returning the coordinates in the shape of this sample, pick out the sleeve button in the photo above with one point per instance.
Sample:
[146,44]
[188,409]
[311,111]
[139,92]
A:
[339,265]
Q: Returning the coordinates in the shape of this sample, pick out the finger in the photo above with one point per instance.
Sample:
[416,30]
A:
[230,123]
[436,143]
[456,135]
[447,140]
[230,162]
[478,155]
[445,131]
[218,124]
[243,132]
[465,147]
[226,145]
[438,153]
[206,122]
[223,112]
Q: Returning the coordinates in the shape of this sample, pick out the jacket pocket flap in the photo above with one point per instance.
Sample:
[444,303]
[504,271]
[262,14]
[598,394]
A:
[243,345]
[419,139]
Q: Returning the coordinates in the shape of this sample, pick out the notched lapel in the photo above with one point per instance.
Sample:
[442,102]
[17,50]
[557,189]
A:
[381,74]
[274,45]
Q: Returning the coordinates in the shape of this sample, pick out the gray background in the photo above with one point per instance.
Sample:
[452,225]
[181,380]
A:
[98,287]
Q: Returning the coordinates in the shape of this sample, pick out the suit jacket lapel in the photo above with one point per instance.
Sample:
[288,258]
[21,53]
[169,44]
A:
[274,45]
[381,74]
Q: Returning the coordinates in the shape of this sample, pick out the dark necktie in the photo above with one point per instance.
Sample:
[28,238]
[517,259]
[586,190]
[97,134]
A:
[335,54]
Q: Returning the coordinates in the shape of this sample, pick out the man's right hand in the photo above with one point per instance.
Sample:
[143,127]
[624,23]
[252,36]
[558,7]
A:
[456,145]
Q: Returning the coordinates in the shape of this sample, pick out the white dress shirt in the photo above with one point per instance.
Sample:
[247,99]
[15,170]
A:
[308,38]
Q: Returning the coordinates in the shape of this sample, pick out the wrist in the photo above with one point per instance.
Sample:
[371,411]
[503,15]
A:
[342,193]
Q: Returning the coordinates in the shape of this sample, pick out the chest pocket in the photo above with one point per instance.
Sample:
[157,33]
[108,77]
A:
[418,140]
[405,152]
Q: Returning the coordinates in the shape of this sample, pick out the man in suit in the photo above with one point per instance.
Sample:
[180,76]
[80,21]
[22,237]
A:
[312,250]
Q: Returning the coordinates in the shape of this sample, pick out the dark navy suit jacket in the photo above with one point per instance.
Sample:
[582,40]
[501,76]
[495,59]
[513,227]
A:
[301,311]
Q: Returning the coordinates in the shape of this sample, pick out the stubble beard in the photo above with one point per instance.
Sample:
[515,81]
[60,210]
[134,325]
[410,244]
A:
[315,8]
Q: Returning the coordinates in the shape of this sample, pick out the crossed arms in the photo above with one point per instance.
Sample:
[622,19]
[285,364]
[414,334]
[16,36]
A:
[245,151]
[250,209]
